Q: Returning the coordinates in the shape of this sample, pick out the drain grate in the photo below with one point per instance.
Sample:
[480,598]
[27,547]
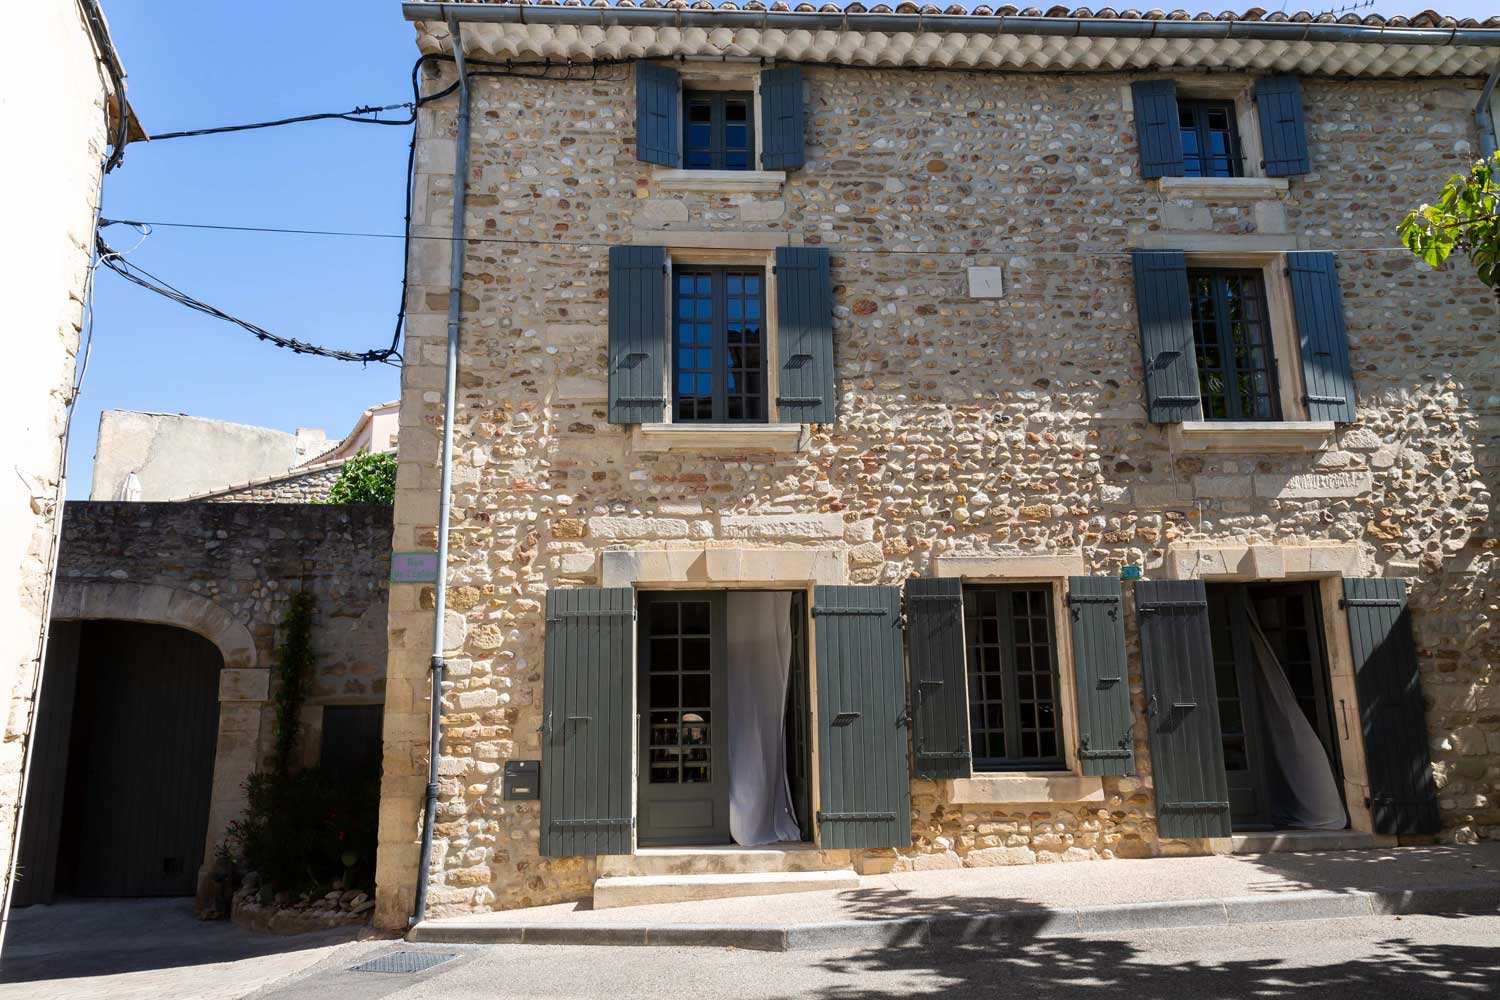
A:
[404,961]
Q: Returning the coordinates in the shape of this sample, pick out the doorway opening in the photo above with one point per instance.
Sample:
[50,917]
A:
[722,690]
[1275,709]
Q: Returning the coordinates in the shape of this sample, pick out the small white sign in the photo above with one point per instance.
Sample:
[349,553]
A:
[987,282]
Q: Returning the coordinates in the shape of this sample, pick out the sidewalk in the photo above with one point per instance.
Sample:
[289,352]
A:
[1026,901]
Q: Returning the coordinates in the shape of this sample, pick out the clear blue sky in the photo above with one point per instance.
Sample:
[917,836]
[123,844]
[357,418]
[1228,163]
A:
[194,64]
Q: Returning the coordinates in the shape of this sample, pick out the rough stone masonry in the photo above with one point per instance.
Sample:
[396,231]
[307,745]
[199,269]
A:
[965,426]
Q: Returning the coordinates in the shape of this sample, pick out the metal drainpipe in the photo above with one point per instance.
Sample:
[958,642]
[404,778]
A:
[1484,115]
[445,489]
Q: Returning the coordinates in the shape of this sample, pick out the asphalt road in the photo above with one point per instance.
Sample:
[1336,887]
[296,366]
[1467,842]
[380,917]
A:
[1375,958]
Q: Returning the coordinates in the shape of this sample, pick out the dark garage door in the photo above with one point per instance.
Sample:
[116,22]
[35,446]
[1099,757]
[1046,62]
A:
[137,769]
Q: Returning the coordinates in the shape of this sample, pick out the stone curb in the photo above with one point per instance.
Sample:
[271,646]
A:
[968,928]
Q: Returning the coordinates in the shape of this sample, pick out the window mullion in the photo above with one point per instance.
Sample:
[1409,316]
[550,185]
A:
[721,347]
[1226,346]
[1004,603]
[717,143]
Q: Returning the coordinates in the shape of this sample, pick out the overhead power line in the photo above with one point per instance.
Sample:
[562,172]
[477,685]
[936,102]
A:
[358,115]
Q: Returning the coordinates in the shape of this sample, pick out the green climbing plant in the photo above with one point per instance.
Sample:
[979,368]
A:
[1465,219]
[294,668]
[366,478]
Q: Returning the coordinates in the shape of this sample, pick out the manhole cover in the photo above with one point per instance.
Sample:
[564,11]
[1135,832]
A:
[404,961]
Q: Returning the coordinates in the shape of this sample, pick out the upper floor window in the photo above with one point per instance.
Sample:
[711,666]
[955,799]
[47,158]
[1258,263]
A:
[1232,339]
[1210,142]
[1012,669]
[719,132]
[718,348]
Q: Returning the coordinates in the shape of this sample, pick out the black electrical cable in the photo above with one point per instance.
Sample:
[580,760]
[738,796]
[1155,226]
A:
[356,115]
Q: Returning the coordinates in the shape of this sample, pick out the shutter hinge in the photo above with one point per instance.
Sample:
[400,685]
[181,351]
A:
[820,611]
[1367,602]
[1195,805]
[855,817]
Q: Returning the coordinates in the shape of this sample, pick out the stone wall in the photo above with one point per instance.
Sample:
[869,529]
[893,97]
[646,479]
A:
[310,485]
[226,571]
[63,115]
[966,426]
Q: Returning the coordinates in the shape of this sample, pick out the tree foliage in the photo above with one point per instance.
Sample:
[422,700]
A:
[1465,218]
[366,478]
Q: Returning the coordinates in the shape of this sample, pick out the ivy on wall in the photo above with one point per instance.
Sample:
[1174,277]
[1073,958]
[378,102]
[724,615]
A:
[293,672]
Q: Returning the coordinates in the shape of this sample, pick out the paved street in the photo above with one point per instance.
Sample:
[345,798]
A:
[1388,958]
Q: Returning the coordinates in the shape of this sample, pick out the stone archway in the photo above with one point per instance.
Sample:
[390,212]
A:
[244,682]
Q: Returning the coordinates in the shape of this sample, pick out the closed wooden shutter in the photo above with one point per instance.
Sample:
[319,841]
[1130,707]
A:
[1327,374]
[804,318]
[587,736]
[658,114]
[1105,741]
[1403,798]
[863,781]
[637,334]
[1283,133]
[1157,130]
[1167,347]
[783,146]
[42,829]
[939,678]
[1187,745]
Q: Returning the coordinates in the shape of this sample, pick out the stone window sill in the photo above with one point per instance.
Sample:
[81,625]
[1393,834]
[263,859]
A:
[717,437]
[1247,188]
[726,181]
[1245,437]
[1023,789]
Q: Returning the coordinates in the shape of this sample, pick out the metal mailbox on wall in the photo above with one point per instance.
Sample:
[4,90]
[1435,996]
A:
[523,780]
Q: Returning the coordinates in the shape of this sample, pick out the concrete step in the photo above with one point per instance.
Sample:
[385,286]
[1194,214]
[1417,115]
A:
[638,890]
[732,860]
[1274,841]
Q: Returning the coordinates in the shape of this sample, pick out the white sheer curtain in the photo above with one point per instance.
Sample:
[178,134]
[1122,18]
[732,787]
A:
[1307,795]
[759,638]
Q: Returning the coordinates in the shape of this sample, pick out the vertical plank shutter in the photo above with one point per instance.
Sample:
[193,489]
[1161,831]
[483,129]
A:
[1106,744]
[1403,798]
[1157,130]
[1327,373]
[1182,709]
[637,334]
[863,780]
[1167,347]
[586,722]
[939,696]
[804,317]
[1283,133]
[658,114]
[782,146]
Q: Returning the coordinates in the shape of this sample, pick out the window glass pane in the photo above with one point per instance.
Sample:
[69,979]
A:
[695,617]
[1009,634]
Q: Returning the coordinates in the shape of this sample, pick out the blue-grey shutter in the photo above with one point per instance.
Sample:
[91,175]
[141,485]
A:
[1327,374]
[782,146]
[637,334]
[804,318]
[1167,348]
[1157,130]
[863,780]
[658,114]
[1106,744]
[1403,798]
[1283,133]
[939,679]
[586,722]
[1182,709]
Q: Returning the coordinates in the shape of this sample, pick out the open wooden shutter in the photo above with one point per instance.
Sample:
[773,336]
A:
[1167,348]
[637,334]
[1106,744]
[1157,131]
[782,146]
[1187,745]
[1327,374]
[939,680]
[804,318]
[864,788]
[1283,134]
[658,114]
[587,734]
[1403,798]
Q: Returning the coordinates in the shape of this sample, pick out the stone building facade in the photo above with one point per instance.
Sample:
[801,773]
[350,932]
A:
[989,438]
[224,572]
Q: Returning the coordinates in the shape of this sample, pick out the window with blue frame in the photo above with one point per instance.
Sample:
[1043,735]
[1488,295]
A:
[718,344]
[1210,141]
[719,131]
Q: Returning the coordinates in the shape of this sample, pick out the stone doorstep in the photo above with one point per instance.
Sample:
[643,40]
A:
[639,890]
[965,928]
[1278,841]
[722,861]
